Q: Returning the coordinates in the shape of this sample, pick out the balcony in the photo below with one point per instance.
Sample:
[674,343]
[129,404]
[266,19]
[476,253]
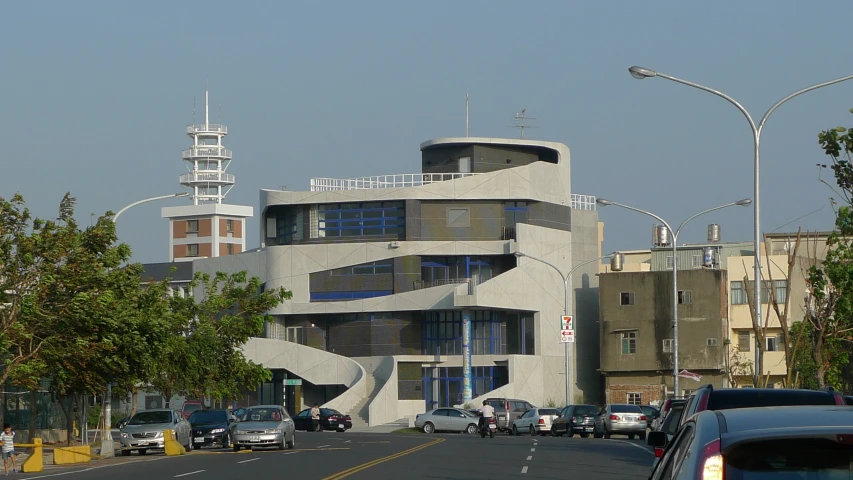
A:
[207,151]
[207,128]
[383,181]
[421,284]
[201,177]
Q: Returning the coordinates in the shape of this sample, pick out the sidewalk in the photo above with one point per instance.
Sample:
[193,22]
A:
[384,428]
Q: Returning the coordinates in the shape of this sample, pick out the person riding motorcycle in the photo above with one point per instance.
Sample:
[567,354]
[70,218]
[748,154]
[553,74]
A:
[486,413]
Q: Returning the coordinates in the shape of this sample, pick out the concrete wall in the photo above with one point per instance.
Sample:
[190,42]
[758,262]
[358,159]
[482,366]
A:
[586,245]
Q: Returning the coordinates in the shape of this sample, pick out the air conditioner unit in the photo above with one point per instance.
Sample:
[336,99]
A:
[394,244]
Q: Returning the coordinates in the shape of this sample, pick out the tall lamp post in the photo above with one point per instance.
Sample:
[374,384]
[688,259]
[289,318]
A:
[615,266]
[674,233]
[107,447]
[641,73]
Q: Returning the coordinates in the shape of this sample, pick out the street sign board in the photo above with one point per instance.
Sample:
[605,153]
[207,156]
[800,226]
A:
[566,323]
[293,381]
[567,336]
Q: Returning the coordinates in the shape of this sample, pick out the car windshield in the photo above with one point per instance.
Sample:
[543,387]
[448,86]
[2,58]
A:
[202,417]
[625,409]
[498,405]
[586,410]
[548,411]
[262,415]
[671,422]
[191,407]
[148,418]
[744,398]
[467,413]
[791,458]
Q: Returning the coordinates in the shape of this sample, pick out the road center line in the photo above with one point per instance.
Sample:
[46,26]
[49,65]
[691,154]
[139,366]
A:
[533,449]
[524,469]
[324,446]
[365,466]
[634,445]
[189,473]
[249,460]
[529,458]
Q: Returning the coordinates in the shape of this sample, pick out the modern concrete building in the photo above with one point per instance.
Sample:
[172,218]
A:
[388,272]
[208,227]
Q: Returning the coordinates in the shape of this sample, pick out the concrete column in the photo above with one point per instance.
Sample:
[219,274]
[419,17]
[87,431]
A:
[467,387]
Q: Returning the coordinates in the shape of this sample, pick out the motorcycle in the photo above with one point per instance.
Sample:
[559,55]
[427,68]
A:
[488,428]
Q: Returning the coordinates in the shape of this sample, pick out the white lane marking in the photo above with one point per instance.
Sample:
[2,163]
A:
[532,449]
[62,474]
[189,473]
[524,469]
[289,453]
[633,445]
[348,441]
[249,460]
[324,446]
[529,458]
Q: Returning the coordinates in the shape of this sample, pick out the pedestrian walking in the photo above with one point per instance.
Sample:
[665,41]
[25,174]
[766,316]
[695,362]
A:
[315,417]
[7,447]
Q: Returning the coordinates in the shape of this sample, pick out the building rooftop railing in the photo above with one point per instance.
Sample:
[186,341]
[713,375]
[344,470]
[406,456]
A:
[207,128]
[403,180]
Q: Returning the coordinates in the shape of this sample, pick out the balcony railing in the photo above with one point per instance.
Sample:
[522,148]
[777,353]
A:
[205,151]
[421,284]
[583,202]
[208,128]
[383,181]
[508,233]
[207,177]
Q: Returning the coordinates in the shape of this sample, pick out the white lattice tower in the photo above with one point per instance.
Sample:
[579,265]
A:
[207,160]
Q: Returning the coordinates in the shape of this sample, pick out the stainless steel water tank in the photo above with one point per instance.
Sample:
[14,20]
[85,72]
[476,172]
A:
[616,262]
[661,236]
[713,233]
[709,257]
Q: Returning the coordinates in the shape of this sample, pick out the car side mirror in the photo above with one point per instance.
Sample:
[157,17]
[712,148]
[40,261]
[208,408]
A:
[657,439]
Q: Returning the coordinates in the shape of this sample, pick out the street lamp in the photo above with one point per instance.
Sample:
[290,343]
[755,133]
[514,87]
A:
[742,203]
[614,265]
[641,73]
[107,447]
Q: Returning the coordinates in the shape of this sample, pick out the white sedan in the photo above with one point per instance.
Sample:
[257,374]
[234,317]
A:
[535,420]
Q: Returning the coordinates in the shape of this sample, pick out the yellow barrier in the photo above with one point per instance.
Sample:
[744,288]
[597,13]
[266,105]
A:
[35,462]
[171,445]
[71,455]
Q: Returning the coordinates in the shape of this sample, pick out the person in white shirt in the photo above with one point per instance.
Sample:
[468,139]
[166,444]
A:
[486,413]
[7,440]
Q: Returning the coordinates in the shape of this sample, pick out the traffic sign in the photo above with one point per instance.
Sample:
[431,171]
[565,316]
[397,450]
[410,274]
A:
[293,381]
[567,336]
[566,323]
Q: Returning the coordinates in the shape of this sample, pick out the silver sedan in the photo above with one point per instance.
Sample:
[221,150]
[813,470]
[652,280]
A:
[447,420]
[621,419]
[264,426]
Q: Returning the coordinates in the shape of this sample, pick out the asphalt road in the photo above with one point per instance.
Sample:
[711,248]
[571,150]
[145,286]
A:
[356,456]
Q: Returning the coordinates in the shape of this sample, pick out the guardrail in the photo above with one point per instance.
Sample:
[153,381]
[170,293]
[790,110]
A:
[421,284]
[205,151]
[207,177]
[401,180]
[207,128]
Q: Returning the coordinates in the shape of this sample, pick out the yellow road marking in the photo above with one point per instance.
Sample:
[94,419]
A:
[373,463]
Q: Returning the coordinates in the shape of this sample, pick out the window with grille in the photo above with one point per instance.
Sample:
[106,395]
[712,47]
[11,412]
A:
[738,294]
[668,345]
[685,297]
[696,261]
[229,248]
[229,226]
[629,343]
[192,226]
[635,398]
[362,219]
[771,344]
[192,250]
[711,342]
[744,341]
[626,298]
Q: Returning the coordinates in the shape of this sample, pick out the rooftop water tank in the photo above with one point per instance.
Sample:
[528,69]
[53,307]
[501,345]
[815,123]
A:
[660,237]
[709,257]
[713,233]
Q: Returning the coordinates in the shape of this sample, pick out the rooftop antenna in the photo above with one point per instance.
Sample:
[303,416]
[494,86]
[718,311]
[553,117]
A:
[520,121]
[193,109]
[206,117]
[466,114]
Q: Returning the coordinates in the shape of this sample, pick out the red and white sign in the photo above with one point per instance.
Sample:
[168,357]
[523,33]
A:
[567,336]
[566,323]
[567,329]
[690,375]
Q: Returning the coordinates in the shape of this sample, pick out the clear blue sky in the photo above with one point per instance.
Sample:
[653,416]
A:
[96,96]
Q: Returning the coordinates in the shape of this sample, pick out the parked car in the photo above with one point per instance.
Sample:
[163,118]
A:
[330,419]
[264,426]
[574,419]
[667,405]
[535,421]
[783,442]
[651,412]
[709,398]
[669,427]
[447,420]
[507,410]
[211,427]
[191,406]
[620,419]
[848,399]
[144,431]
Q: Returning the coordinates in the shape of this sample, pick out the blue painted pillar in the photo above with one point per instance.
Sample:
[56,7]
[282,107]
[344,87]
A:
[467,390]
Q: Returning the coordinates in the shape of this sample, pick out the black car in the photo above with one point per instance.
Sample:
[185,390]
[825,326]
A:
[330,419]
[211,427]
[574,419]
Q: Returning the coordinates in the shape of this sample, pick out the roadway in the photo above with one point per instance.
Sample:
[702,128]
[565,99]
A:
[363,456]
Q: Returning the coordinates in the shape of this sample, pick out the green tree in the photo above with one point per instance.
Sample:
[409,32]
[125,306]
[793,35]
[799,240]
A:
[203,355]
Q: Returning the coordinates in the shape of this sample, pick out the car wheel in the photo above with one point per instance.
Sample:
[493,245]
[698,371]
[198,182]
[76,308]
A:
[515,430]
[532,431]
[142,451]
[429,428]
[226,441]
[125,453]
[595,433]
[292,444]
[472,429]
[606,433]
[584,435]
[554,432]
[630,436]
[283,444]
[642,435]
[236,448]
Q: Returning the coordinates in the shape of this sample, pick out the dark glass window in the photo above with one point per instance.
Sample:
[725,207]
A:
[514,213]
[372,268]
[362,219]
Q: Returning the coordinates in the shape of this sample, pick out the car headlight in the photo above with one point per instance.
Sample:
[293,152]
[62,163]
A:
[273,430]
[217,430]
[159,434]
[241,432]
[124,435]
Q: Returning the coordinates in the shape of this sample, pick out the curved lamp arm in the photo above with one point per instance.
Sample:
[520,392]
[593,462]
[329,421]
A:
[604,202]
[162,197]
[741,203]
